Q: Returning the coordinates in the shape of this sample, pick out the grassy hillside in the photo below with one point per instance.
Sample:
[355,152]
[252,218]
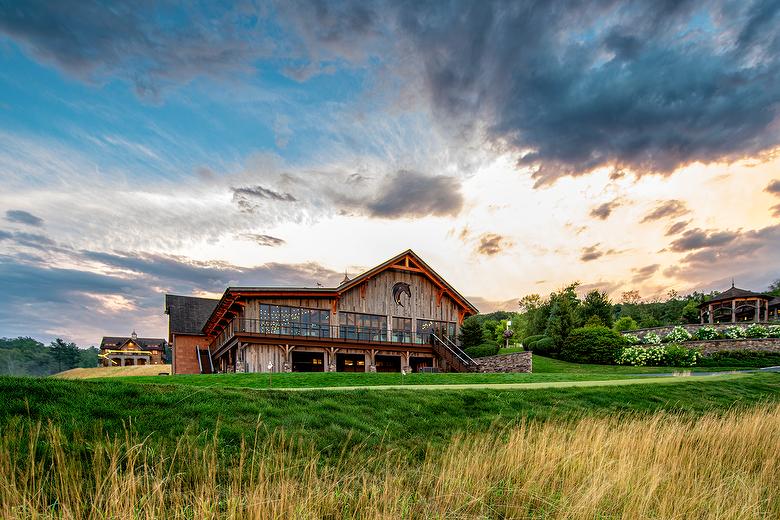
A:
[329,418]
[133,371]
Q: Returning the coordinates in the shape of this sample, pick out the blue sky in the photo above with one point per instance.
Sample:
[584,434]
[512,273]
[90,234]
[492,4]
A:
[516,146]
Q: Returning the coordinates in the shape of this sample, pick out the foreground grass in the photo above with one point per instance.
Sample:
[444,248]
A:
[404,419]
[656,466]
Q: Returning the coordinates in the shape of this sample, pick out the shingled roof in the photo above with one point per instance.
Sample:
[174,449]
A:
[775,302]
[735,292]
[188,314]
[115,342]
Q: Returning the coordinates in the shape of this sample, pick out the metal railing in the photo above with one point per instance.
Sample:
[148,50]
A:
[318,331]
[455,350]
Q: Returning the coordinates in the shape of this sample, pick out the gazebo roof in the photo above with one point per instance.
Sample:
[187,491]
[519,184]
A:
[775,302]
[735,293]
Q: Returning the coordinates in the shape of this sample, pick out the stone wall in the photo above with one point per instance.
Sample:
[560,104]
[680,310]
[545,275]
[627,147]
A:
[708,347]
[515,362]
[693,327]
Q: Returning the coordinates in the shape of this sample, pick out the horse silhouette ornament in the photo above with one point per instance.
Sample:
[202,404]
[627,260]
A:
[401,288]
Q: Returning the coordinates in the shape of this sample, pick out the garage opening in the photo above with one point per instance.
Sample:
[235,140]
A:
[350,363]
[308,362]
[416,363]
[388,363]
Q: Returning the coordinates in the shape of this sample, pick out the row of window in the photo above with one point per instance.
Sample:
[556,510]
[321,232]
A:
[298,321]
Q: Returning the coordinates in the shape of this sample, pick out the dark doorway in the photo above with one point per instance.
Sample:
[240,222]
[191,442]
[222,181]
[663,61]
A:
[308,362]
[350,363]
[416,363]
[388,363]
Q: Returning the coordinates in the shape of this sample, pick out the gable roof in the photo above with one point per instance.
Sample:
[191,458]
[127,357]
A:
[117,342]
[775,302]
[735,292]
[407,261]
[188,314]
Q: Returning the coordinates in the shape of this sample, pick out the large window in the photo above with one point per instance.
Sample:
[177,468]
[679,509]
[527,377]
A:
[441,328]
[294,321]
[402,330]
[363,327]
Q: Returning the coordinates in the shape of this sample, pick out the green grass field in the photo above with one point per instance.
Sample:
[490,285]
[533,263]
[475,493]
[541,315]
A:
[544,370]
[404,418]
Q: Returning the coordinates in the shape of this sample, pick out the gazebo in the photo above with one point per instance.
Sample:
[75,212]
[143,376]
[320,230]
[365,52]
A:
[736,305]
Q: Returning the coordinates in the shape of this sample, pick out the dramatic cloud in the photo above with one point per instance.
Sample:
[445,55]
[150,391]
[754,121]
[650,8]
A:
[746,256]
[773,187]
[413,194]
[250,198]
[698,239]
[44,299]
[22,217]
[667,209]
[148,44]
[264,240]
[644,273]
[775,210]
[676,227]
[603,211]
[33,240]
[593,252]
[650,88]
[491,244]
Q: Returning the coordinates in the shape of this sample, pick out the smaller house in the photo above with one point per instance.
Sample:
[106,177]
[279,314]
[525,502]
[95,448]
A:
[123,351]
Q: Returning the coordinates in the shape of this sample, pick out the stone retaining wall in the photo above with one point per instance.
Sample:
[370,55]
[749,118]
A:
[515,362]
[711,346]
[693,327]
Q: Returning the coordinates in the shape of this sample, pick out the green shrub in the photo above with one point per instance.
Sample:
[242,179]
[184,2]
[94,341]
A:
[625,323]
[741,358]
[773,331]
[756,331]
[544,347]
[707,332]
[632,339]
[530,339]
[593,345]
[678,334]
[678,356]
[485,349]
[660,355]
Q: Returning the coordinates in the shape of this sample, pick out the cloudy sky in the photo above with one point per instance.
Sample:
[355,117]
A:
[516,146]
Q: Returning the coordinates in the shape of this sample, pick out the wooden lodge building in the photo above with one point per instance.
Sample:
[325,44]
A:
[131,350]
[399,316]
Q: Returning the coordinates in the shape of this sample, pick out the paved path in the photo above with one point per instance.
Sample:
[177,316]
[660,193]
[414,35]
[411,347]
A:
[721,376]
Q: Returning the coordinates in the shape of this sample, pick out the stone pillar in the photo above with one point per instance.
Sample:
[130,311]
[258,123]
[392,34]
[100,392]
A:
[733,311]
[710,315]
[367,363]
[405,367]
[758,310]
[701,316]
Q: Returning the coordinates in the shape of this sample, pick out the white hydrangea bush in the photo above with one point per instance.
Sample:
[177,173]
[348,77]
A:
[678,335]
[651,338]
[632,339]
[707,332]
[773,331]
[756,330]
[734,332]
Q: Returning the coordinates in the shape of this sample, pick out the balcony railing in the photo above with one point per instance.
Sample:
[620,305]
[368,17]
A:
[333,333]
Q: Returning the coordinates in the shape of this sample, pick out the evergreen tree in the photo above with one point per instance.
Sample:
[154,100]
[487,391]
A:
[596,304]
[470,332]
[66,355]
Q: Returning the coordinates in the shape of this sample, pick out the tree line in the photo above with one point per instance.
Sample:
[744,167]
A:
[562,311]
[29,357]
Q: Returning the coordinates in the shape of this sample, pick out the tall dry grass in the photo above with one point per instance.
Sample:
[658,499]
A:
[716,466]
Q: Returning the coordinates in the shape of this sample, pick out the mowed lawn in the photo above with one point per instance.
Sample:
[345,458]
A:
[544,370]
[403,418]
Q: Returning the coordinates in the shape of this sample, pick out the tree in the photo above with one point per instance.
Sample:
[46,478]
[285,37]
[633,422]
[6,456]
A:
[690,313]
[596,304]
[630,297]
[562,316]
[471,332]
[66,355]
[774,288]
[625,323]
